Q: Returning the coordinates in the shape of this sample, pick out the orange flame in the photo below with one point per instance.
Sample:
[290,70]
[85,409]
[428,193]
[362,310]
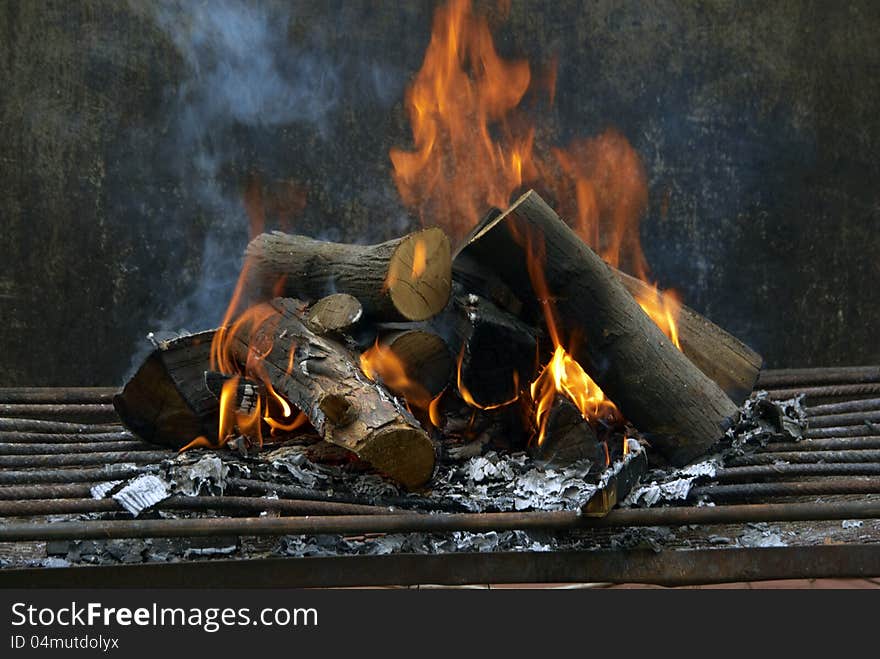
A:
[249,338]
[462,95]
[420,258]
[474,149]
[563,374]
[381,363]
[468,398]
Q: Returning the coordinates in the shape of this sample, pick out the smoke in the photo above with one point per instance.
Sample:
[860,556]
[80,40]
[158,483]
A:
[246,76]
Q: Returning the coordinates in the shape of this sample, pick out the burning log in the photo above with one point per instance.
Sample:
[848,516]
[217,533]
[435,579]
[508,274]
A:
[496,352]
[408,278]
[320,377]
[730,363]
[168,401]
[334,314]
[424,356]
[655,385]
[727,361]
[569,438]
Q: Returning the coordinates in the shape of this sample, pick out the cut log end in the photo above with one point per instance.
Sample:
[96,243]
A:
[335,313]
[404,453]
[419,278]
[426,357]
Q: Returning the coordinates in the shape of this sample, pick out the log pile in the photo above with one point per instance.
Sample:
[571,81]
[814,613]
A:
[369,346]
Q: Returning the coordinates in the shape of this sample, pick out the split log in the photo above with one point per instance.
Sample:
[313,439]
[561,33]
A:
[729,362]
[323,380]
[168,401]
[335,313]
[655,385]
[497,352]
[408,278]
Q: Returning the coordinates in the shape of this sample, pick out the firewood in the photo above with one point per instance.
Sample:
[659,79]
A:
[408,278]
[497,352]
[167,401]
[338,312]
[425,356]
[655,385]
[568,438]
[729,362]
[323,380]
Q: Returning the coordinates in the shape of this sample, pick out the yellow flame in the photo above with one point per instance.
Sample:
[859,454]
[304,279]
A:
[420,261]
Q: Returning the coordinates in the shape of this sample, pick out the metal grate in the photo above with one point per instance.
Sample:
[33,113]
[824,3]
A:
[56,444]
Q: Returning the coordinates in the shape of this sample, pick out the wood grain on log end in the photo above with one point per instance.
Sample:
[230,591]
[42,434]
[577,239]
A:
[419,279]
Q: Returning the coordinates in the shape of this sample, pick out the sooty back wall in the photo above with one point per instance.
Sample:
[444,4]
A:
[130,134]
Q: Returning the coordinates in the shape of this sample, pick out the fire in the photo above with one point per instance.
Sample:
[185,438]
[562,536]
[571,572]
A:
[462,96]
[380,363]
[420,259]
[562,374]
[474,148]
[238,349]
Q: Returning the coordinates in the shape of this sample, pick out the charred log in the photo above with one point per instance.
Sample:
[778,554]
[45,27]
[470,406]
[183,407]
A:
[569,438]
[497,352]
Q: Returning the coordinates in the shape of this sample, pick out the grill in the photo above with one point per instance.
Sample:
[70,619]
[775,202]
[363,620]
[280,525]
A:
[804,510]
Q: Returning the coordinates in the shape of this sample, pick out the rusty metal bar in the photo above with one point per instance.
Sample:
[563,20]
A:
[80,413]
[42,426]
[866,430]
[436,523]
[65,438]
[829,486]
[92,475]
[84,459]
[791,377]
[27,508]
[848,419]
[59,491]
[668,567]
[801,457]
[733,474]
[826,444]
[301,493]
[80,395]
[829,391]
[73,448]
[867,404]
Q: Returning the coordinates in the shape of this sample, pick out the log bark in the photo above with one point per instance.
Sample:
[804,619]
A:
[167,401]
[655,385]
[729,362]
[408,278]
[324,381]
[496,353]
[726,360]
